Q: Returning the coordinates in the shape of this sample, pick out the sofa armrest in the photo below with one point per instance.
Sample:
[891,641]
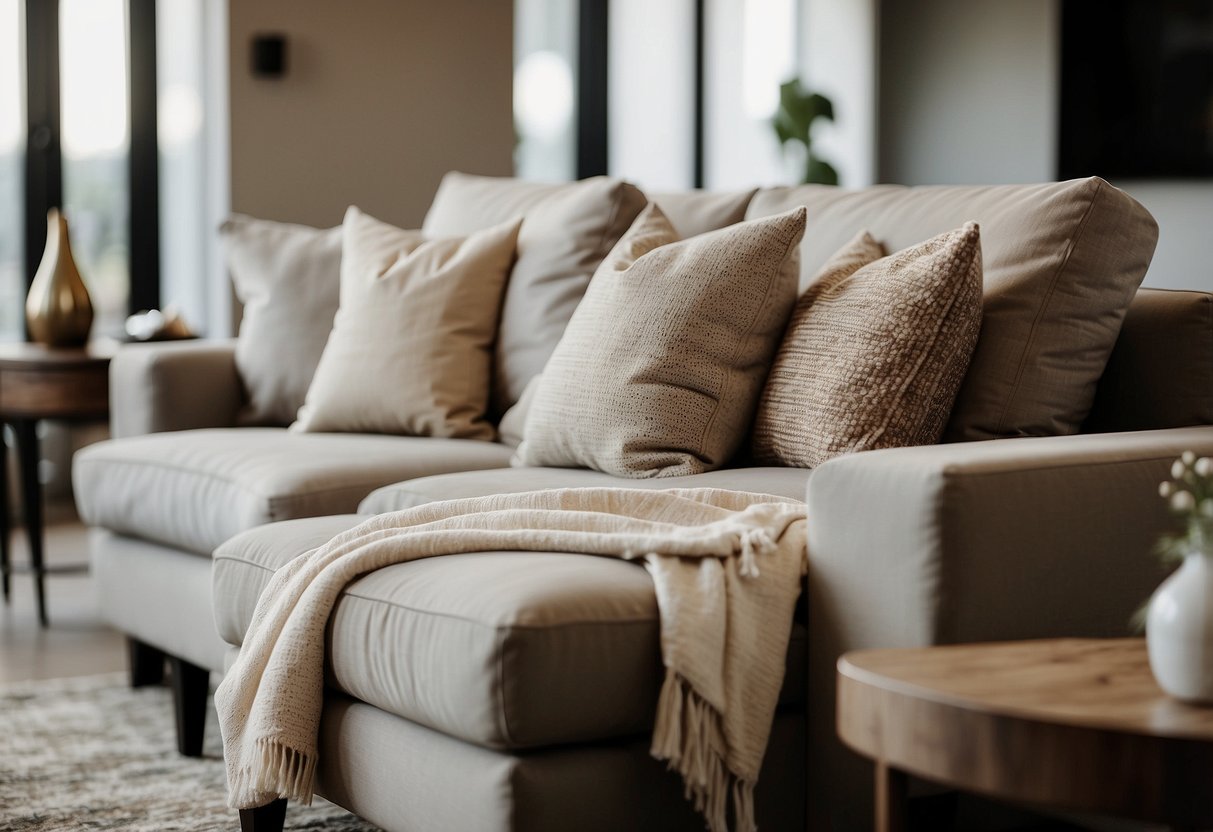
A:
[982,541]
[174,386]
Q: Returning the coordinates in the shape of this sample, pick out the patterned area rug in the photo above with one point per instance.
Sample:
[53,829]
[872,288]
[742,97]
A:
[91,753]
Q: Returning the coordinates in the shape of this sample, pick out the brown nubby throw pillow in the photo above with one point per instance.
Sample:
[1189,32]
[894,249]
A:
[411,348]
[660,367]
[875,352]
[1061,263]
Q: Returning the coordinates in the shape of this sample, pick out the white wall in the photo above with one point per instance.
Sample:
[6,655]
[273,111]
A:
[968,94]
[652,92]
[1184,211]
[750,48]
[839,41]
[968,91]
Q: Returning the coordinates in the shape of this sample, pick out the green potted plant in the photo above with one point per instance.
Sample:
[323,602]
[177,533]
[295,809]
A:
[793,122]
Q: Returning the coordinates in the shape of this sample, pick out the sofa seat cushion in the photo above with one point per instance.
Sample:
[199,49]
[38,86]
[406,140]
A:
[782,482]
[507,650]
[195,489]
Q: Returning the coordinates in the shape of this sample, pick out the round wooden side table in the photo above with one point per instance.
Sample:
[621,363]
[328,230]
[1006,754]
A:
[1070,724]
[38,383]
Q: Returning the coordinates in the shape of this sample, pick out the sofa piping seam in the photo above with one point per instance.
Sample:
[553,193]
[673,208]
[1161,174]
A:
[453,617]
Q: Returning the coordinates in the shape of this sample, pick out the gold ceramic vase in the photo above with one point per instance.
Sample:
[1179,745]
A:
[58,311]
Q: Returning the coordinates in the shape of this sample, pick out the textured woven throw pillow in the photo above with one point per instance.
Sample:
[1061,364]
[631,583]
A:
[660,367]
[411,347]
[875,352]
[287,277]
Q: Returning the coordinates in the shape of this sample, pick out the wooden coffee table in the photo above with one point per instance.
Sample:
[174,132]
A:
[40,383]
[1072,724]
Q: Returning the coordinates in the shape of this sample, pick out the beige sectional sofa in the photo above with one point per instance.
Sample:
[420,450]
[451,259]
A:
[514,691]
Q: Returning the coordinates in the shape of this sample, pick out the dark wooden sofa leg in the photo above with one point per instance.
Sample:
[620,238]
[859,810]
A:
[267,818]
[190,684]
[146,663]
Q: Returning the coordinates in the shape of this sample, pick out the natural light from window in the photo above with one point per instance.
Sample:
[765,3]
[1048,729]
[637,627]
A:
[92,55]
[12,130]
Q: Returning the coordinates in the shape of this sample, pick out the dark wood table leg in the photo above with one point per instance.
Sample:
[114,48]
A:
[4,509]
[892,802]
[31,502]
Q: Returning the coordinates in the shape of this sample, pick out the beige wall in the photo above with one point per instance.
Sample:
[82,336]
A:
[380,98]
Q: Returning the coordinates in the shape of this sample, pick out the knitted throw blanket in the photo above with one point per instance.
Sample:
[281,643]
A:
[726,567]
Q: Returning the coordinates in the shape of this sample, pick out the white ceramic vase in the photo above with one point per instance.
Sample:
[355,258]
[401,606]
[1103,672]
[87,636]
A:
[1179,631]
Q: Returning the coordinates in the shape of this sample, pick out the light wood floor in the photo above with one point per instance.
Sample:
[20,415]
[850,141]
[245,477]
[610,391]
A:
[77,643]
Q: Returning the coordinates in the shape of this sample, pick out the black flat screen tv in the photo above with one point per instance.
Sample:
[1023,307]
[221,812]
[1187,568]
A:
[1136,89]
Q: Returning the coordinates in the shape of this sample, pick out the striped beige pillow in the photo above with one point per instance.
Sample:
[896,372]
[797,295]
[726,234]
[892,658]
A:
[660,367]
[875,352]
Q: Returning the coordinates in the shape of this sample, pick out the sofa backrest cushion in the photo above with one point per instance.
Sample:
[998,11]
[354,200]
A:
[1160,374]
[697,212]
[287,277]
[567,230]
[1062,262]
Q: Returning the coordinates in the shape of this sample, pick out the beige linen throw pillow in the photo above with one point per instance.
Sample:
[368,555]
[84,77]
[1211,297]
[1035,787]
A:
[287,278]
[660,367]
[875,352]
[411,347]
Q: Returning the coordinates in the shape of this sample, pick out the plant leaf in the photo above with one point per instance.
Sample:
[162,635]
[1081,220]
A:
[820,172]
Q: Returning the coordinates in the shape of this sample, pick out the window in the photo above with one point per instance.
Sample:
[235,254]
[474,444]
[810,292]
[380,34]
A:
[12,159]
[96,151]
[114,110]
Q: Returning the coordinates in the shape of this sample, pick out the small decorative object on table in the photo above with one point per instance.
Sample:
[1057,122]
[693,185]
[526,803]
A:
[154,325]
[1179,621]
[58,311]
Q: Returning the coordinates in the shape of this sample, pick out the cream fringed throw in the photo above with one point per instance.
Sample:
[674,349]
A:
[726,568]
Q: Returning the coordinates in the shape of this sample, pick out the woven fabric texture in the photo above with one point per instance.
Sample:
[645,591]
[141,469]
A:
[875,352]
[659,370]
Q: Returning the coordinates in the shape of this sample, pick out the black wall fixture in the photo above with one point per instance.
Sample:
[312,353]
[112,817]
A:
[592,25]
[269,56]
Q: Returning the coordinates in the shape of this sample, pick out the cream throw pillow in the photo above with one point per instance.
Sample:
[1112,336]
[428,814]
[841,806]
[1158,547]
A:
[287,278]
[660,367]
[411,347]
[875,352]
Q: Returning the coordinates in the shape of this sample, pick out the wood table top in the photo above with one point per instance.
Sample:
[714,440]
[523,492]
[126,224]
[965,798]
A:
[25,355]
[1103,684]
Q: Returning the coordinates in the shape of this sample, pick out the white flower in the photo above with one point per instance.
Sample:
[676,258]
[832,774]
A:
[1206,508]
[1183,501]
[1178,470]
[1187,457]
[1166,489]
[1203,466]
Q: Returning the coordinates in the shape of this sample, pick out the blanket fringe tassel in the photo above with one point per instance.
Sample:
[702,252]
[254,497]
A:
[279,771]
[686,736]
